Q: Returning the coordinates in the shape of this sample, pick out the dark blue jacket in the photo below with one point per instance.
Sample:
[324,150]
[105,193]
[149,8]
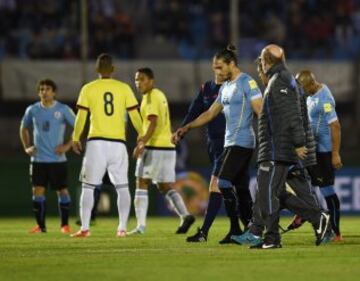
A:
[205,98]
[280,126]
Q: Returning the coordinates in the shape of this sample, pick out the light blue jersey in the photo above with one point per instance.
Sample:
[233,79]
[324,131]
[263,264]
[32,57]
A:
[321,109]
[235,97]
[49,126]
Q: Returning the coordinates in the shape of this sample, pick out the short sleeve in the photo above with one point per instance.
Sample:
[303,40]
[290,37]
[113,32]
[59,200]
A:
[131,101]
[27,118]
[218,99]
[252,89]
[152,105]
[328,109]
[83,101]
[69,116]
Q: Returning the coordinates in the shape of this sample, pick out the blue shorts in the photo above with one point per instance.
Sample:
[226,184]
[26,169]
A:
[215,150]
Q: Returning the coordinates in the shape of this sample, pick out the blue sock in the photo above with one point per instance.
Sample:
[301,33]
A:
[213,208]
[39,209]
[64,207]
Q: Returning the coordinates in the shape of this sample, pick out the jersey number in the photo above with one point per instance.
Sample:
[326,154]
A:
[108,103]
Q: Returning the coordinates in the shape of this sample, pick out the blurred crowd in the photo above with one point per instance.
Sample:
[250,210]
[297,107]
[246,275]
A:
[193,28]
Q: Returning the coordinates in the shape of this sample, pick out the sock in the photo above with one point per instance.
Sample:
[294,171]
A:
[123,204]
[333,204]
[212,210]
[64,207]
[39,209]
[175,201]
[86,204]
[320,198]
[245,204]
[141,203]
[97,192]
[231,209]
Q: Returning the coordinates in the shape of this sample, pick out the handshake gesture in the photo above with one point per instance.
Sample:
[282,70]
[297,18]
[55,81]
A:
[179,134]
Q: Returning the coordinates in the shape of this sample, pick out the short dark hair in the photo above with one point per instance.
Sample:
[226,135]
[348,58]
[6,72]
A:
[47,82]
[147,71]
[228,54]
[104,62]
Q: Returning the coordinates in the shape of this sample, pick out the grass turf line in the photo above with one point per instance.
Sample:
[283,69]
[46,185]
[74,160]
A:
[162,255]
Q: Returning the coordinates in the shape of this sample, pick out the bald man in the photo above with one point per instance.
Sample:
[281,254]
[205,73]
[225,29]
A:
[327,131]
[304,204]
[281,139]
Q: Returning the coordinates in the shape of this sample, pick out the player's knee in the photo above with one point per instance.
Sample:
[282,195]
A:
[213,186]
[142,183]
[223,184]
[164,187]
[38,191]
[327,191]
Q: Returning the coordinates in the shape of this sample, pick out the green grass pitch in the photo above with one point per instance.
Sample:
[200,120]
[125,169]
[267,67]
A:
[161,255]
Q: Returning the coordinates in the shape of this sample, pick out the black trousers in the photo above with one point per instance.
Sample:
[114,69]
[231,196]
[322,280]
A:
[303,204]
[299,181]
[271,184]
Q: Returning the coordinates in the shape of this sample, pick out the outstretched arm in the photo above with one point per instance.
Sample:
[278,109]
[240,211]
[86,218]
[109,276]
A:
[203,119]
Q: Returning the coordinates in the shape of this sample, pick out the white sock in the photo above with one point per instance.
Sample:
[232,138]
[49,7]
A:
[123,204]
[86,205]
[141,203]
[177,203]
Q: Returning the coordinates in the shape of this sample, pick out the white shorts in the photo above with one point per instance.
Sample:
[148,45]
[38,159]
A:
[157,165]
[102,155]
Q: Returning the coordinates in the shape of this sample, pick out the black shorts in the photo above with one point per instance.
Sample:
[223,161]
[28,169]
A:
[215,150]
[322,174]
[236,162]
[45,174]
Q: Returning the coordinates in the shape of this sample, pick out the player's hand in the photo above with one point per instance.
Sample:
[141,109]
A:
[179,134]
[139,149]
[336,160]
[77,147]
[175,138]
[62,148]
[301,152]
[31,150]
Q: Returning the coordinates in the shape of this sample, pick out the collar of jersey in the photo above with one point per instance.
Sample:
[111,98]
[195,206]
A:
[43,107]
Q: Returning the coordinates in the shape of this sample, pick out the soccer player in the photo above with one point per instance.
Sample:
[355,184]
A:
[156,155]
[327,131]
[239,97]
[215,139]
[47,119]
[106,100]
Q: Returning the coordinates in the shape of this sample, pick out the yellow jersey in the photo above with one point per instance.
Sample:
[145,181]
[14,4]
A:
[107,101]
[155,103]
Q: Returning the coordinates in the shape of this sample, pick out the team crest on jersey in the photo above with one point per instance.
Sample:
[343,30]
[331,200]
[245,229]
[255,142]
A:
[57,114]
